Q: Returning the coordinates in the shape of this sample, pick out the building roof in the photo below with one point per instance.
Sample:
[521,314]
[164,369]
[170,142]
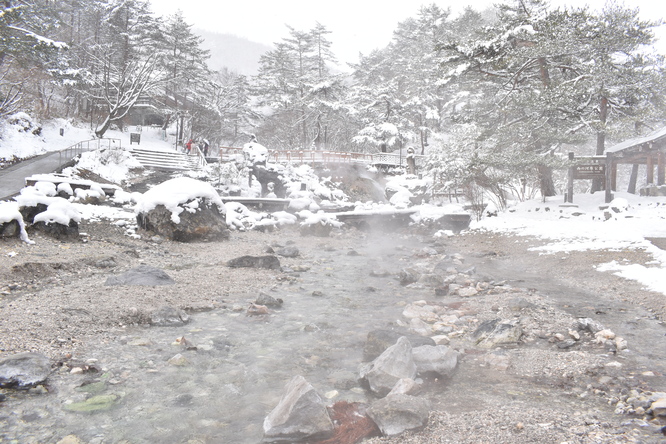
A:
[654,138]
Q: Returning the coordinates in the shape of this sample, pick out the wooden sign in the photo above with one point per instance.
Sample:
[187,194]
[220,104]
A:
[592,171]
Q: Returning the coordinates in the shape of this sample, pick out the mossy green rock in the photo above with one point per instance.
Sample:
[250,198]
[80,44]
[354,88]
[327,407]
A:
[94,404]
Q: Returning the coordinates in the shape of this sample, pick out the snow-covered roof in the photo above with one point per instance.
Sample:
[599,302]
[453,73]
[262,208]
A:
[638,141]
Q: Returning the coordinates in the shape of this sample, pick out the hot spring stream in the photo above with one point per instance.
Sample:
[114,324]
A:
[238,365]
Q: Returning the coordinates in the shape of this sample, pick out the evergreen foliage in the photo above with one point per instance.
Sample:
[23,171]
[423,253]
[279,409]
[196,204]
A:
[490,97]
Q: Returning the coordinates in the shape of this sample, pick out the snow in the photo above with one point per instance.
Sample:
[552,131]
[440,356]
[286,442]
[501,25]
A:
[626,223]
[175,193]
[629,222]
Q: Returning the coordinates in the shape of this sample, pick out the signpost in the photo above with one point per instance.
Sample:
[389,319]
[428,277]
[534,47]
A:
[591,171]
[583,171]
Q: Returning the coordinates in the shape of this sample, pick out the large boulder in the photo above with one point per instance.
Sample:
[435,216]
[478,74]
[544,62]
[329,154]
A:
[391,366]
[24,370]
[398,413]
[53,216]
[183,209]
[205,224]
[266,176]
[58,231]
[300,415]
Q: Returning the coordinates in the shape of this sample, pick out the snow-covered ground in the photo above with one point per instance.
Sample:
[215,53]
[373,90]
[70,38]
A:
[627,223]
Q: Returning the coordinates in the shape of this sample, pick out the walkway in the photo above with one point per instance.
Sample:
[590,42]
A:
[12,179]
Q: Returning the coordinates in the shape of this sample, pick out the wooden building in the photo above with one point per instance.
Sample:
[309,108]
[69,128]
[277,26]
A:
[649,151]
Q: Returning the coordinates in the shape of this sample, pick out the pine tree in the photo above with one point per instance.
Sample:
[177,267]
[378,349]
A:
[27,48]
[540,78]
[297,90]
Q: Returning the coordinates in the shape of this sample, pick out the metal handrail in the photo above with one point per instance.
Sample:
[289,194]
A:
[201,159]
[69,153]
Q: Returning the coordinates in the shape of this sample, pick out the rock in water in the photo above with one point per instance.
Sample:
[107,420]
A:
[398,413]
[168,317]
[300,415]
[380,340]
[391,366]
[141,275]
[24,370]
[288,252]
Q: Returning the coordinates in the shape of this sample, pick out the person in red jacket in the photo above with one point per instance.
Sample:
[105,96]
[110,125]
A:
[188,146]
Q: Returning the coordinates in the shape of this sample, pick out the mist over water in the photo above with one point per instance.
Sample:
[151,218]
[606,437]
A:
[241,363]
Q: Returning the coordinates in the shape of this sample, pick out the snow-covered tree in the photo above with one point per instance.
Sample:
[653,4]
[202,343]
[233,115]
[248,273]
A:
[540,78]
[27,48]
[296,91]
[397,87]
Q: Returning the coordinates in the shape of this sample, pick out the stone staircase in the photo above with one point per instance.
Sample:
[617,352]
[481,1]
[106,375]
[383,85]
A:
[165,160]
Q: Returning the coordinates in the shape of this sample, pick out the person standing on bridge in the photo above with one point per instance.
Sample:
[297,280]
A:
[205,145]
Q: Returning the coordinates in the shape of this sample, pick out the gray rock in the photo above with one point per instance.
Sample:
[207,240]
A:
[495,332]
[268,300]
[589,325]
[24,370]
[439,359]
[288,252]
[379,340]
[398,413]
[141,275]
[204,224]
[168,317]
[405,386]
[300,415]
[321,229]
[58,231]
[431,280]
[394,364]
[567,343]
[10,229]
[269,262]
[408,276]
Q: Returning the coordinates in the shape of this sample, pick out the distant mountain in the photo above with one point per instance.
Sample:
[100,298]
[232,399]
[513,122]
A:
[235,53]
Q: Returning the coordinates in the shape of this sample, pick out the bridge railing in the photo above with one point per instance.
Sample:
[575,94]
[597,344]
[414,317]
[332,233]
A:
[313,156]
[67,154]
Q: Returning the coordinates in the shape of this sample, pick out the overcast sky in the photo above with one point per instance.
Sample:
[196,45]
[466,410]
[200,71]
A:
[356,25]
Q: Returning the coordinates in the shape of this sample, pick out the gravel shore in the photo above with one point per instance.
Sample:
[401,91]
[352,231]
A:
[54,300]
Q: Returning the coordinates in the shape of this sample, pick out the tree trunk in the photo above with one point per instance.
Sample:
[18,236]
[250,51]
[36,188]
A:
[99,132]
[633,179]
[601,139]
[546,182]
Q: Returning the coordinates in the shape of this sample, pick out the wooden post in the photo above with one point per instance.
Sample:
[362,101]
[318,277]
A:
[613,183]
[650,170]
[609,166]
[661,157]
[568,197]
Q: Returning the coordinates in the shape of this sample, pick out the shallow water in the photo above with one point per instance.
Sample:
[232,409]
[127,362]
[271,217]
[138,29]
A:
[240,366]
[237,373]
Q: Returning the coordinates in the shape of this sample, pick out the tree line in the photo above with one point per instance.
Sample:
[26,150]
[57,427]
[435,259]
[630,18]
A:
[489,96]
